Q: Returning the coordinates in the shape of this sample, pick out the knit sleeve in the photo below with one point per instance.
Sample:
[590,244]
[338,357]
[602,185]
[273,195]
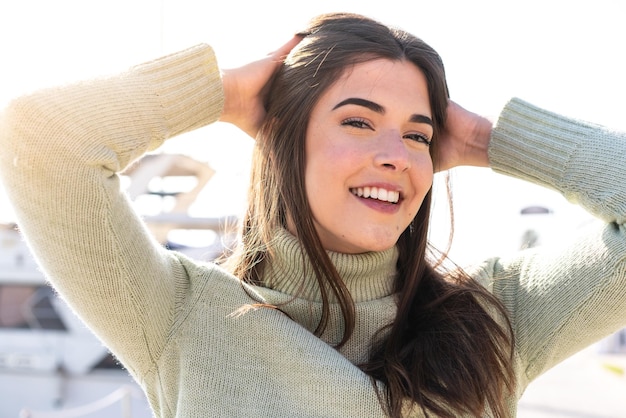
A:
[567,296]
[62,150]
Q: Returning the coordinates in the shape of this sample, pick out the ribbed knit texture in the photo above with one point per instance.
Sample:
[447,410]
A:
[367,276]
[172,321]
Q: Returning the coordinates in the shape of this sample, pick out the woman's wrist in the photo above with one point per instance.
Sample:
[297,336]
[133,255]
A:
[226,115]
[478,147]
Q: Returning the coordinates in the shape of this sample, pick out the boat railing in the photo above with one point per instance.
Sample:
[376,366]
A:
[123,395]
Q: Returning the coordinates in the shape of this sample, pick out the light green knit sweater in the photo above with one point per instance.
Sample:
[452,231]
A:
[168,318]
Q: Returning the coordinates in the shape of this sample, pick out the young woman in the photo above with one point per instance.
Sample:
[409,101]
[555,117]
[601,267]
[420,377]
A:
[332,305]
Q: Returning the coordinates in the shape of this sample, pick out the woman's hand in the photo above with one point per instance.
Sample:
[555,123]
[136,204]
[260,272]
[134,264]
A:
[245,88]
[464,140]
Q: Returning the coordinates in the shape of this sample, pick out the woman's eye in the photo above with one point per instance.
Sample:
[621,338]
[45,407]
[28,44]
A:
[418,138]
[356,123]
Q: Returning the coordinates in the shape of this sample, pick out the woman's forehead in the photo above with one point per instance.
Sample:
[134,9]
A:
[388,82]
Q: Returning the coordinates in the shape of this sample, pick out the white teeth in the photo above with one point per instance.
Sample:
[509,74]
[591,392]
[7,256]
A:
[377,193]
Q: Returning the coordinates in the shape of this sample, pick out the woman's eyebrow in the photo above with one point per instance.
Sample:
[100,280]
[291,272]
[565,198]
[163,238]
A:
[417,118]
[375,107]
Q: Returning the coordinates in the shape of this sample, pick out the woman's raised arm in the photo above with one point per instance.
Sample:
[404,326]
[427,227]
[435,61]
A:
[565,296]
[62,150]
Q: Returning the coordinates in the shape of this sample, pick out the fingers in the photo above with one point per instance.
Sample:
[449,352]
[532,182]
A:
[282,52]
[245,89]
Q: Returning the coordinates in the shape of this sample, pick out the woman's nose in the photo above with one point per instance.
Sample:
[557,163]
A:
[392,152]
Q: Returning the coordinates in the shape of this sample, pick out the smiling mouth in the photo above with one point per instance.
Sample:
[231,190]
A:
[376,193]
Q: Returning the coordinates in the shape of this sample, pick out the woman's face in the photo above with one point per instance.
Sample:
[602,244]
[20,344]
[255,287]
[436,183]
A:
[368,167]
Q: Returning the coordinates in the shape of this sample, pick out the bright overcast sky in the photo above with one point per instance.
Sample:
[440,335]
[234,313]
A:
[564,55]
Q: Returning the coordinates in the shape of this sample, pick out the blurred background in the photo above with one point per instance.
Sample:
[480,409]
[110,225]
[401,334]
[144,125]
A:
[565,56]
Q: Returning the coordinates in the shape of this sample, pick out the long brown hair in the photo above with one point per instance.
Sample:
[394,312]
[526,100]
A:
[449,349]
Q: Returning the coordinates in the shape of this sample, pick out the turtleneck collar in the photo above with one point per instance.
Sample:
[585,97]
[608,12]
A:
[367,276]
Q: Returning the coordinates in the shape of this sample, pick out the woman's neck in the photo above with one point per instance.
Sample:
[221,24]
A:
[367,276]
